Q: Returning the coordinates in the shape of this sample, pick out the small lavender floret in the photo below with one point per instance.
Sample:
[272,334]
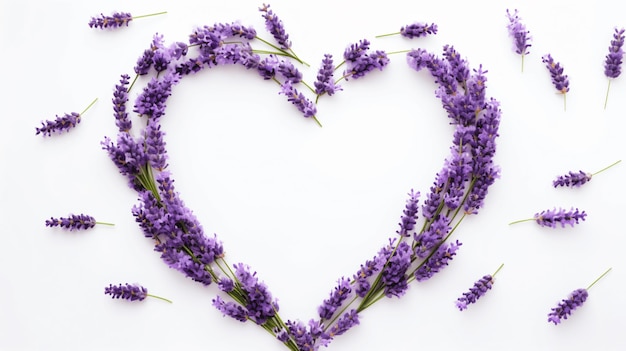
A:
[260,305]
[304,105]
[437,261]
[325,82]
[289,72]
[120,98]
[565,308]
[337,297]
[359,62]
[230,309]
[116,20]
[560,81]
[131,292]
[394,273]
[475,292]
[275,26]
[550,218]
[432,236]
[417,30]
[408,220]
[573,179]
[613,63]
[73,222]
[347,321]
[59,125]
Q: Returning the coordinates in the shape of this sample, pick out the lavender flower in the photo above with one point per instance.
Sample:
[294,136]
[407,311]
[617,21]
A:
[427,239]
[131,292]
[477,291]
[230,309]
[576,299]
[408,220]
[437,261]
[120,98]
[74,222]
[259,303]
[550,218]
[62,124]
[116,20]
[417,30]
[347,321]
[577,179]
[304,105]
[275,26]
[521,37]
[325,82]
[560,81]
[336,299]
[289,72]
[394,273]
[268,66]
[359,62]
[613,63]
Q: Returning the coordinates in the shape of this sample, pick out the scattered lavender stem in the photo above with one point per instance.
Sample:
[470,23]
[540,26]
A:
[61,124]
[576,299]
[477,291]
[517,30]
[414,30]
[560,80]
[131,292]
[550,218]
[613,63]
[75,222]
[573,179]
[117,19]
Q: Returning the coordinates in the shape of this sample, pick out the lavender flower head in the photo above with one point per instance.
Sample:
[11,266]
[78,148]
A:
[613,63]
[560,80]
[573,179]
[565,308]
[116,20]
[550,218]
[437,261]
[477,291]
[73,222]
[409,219]
[59,125]
[275,26]
[131,292]
[417,30]
[520,36]
[360,62]
[336,299]
[325,82]
[304,105]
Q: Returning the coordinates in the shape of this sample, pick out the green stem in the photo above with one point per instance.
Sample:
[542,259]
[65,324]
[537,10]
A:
[600,277]
[133,83]
[150,15]
[159,297]
[523,63]
[398,52]
[606,99]
[386,35]
[564,102]
[105,223]
[497,270]
[607,167]
[281,51]
[87,108]
[522,220]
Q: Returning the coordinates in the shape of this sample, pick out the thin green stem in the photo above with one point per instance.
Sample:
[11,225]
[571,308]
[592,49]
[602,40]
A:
[607,167]
[523,63]
[600,277]
[522,220]
[398,52]
[150,15]
[281,51]
[87,108]
[106,223]
[606,99]
[133,83]
[159,297]
[386,35]
[497,270]
[564,102]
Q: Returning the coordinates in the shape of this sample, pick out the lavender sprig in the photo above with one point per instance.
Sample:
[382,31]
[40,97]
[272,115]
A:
[131,292]
[521,37]
[560,80]
[116,20]
[304,105]
[414,30]
[275,26]
[62,124]
[325,83]
[75,222]
[577,179]
[613,63]
[477,291]
[550,218]
[576,299]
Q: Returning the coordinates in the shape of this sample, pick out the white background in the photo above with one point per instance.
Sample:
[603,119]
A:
[305,205]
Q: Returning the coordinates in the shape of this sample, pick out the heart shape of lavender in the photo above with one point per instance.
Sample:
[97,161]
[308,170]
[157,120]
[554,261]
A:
[416,253]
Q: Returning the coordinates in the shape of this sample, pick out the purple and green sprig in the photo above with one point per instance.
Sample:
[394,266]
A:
[479,289]
[554,217]
[117,19]
[63,123]
[521,36]
[613,62]
[559,80]
[130,292]
[75,222]
[577,179]
[575,300]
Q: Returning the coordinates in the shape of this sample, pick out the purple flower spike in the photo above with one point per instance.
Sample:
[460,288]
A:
[572,179]
[408,220]
[325,82]
[613,63]
[479,289]
[567,306]
[73,222]
[336,299]
[612,66]
[437,261]
[417,30]
[560,81]
[520,36]
[120,98]
[118,19]
[131,292]
[550,218]
[230,309]
[306,106]
[275,26]
[59,125]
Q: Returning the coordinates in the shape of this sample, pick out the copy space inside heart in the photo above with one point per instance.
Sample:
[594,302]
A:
[303,205]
